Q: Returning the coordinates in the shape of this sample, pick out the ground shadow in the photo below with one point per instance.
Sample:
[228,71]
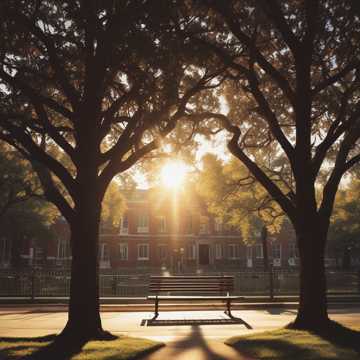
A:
[283,347]
[45,347]
[194,345]
[340,335]
[273,349]
[280,311]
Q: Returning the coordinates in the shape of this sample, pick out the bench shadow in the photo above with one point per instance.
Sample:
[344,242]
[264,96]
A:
[197,322]
[55,348]
[195,345]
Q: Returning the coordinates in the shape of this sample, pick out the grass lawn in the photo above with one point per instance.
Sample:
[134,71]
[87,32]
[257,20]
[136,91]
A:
[337,343]
[40,348]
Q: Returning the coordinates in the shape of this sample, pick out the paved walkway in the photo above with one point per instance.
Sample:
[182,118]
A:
[185,336]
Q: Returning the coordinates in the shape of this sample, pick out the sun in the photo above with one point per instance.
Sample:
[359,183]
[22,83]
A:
[173,174]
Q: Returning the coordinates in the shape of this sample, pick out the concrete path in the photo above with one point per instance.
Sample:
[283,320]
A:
[175,325]
[186,337]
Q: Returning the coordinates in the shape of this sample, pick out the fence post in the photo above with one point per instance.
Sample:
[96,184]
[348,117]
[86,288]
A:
[114,285]
[33,284]
[271,282]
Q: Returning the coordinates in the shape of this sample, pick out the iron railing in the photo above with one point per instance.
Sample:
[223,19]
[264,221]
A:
[48,283]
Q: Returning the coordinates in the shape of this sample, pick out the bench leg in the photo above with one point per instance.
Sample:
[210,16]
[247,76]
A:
[228,309]
[156,314]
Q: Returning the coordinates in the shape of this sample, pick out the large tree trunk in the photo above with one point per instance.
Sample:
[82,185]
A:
[312,312]
[84,316]
[84,321]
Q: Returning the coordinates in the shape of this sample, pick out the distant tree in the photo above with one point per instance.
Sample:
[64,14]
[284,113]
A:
[344,232]
[114,205]
[233,195]
[29,220]
[292,92]
[17,181]
[88,88]
[24,212]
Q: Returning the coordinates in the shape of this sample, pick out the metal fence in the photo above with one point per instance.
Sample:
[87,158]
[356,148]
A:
[45,283]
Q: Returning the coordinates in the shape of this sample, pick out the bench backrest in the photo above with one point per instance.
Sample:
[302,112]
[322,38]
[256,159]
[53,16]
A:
[199,285]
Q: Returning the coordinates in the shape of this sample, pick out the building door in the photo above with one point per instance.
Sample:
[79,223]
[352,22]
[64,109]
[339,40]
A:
[204,258]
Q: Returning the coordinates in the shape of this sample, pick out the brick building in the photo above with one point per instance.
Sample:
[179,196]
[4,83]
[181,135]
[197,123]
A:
[161,231]
[174,232]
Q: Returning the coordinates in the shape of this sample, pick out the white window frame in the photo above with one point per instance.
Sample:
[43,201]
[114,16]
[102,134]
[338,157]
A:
[218,225]
[124,230]
[204,225]
[236,251]
[218,251]
[102,251]
[293,250]
[5,251]
[63,250]
[191,254]
[189,224]
[123,251]
[162,224]
[278,246]
[261,255]
[147,247]
[249,252]
[164,246]
[143,225]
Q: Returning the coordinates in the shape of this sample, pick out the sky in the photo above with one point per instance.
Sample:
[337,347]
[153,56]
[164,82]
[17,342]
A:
[216,146]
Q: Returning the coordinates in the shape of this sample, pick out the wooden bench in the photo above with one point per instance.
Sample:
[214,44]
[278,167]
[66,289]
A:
[196,288]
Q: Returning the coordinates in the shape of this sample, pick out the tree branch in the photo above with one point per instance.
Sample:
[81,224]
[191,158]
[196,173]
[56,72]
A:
[69,90]
[33,94]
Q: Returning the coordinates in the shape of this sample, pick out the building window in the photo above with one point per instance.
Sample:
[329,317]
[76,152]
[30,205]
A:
[218,251]
[143,251]
[218,225]
[234,251]
[204,225]
[162,224]
[124,251]
[162,252]
[249,254]
[293,250]
[276,251]
[189,224]
[104,252]
[63,250]
[5,251]
[124,225]
[143,223]
[191,252]
[259,251]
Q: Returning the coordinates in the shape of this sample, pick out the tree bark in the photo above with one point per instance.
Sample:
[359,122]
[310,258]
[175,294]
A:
[312,311]
[84,320]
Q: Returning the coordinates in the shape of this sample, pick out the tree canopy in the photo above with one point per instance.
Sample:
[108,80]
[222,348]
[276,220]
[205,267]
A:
[291,88]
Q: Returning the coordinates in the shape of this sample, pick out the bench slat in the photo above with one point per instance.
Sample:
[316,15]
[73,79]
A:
[216,285]
[178,297]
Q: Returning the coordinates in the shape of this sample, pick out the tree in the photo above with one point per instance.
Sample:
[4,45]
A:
[31,219]
[344,232]
[292,92]
[234,195]
[89,88]
[24,212]
[114,205]
[17,183]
